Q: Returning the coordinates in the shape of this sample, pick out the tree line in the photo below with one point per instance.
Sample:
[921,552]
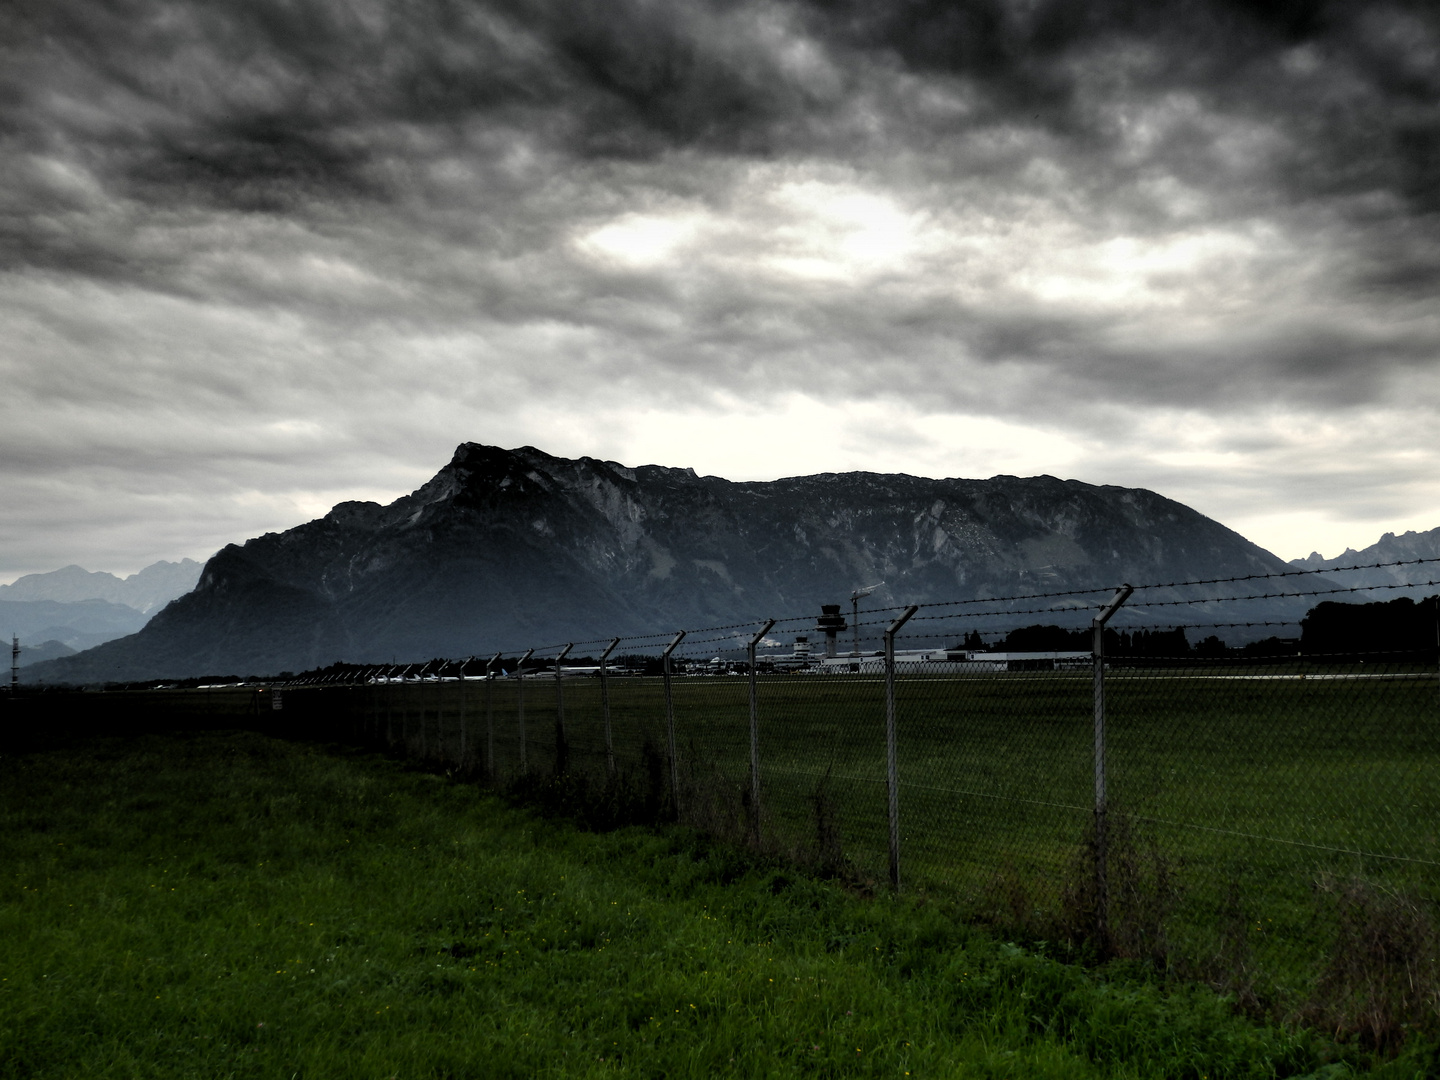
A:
[1396,628]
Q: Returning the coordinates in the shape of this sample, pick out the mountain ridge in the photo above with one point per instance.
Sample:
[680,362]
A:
[77,624]
[508,547]
[146,590]
[1386,582]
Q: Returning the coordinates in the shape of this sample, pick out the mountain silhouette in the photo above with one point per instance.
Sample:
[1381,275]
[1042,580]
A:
[506,549]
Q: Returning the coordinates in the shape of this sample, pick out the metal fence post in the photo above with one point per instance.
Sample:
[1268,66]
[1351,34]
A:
[605,709]
[404,717]
[490,716]
[424,712]
[440,714]
[892,766]
[464,749]
[520,707]
[1102,829]
[670,723]
[371,716]
[562,750]
[389,714]
[755,739]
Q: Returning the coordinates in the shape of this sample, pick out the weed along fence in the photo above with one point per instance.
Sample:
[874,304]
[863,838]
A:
[1093,768]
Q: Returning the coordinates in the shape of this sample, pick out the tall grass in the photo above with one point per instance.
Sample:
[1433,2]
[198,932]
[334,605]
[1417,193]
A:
[226,904]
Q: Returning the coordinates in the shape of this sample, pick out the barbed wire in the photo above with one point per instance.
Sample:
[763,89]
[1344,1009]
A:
[1007,599]
[1294,573]
[999,634]
[689,643]
[1166,603]
[1290,595]
[1211,625]
[657,641]
[643,643]
[1197,581]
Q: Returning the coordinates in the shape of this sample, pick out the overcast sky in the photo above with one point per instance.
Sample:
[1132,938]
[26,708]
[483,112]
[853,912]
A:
[258,256]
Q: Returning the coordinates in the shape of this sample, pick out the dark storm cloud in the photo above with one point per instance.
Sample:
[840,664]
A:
[258,102]
[262,102]
[269,106]
[1355,85]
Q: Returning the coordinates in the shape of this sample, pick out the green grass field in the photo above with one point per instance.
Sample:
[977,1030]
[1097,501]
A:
[1254,819]
[227,904]
[1246,801]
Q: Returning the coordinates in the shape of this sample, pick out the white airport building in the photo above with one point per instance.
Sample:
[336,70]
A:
[954,661]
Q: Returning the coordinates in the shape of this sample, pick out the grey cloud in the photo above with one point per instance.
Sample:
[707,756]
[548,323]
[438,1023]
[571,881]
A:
[1349,94]
[247,97]
[271,108]
[309,208]
[261,104]
[965,357]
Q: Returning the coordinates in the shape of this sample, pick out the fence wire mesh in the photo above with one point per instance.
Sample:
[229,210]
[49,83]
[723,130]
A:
[1246,793]
[1254,798]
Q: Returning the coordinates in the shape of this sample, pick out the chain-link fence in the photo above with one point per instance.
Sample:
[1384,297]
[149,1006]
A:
[1263,813]
[1259,811]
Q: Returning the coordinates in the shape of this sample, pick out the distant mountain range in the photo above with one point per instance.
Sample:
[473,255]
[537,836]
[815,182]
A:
[73,609]
[145,591]
[513,548]
[49,649]
[77,625]
[1389,582]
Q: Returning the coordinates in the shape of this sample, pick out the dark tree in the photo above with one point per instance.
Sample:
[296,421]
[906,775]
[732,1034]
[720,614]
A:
[1400,627]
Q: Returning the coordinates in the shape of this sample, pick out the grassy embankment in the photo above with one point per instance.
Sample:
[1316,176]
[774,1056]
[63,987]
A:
[214,905]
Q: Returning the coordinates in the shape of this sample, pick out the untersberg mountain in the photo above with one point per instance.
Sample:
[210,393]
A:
[513,548]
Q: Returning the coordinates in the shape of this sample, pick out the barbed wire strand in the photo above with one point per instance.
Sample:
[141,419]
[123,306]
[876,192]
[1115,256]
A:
[648,642]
